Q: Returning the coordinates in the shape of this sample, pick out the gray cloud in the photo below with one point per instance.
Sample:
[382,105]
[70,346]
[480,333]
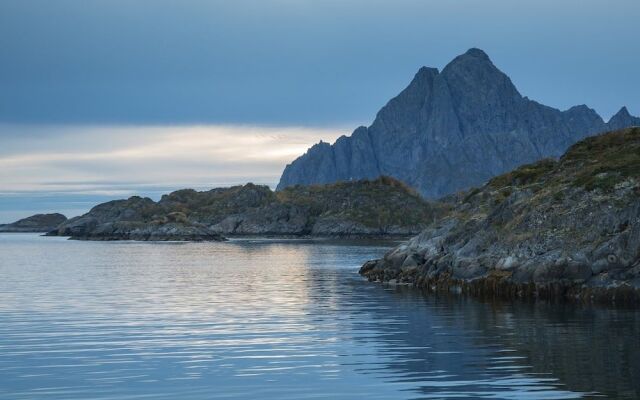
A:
[296,62]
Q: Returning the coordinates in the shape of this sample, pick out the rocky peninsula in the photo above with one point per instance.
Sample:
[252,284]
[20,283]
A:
[567,228]
[35,223]
[382,207]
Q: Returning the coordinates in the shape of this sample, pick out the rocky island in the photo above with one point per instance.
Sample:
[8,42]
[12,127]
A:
[35,223]
[553,229]
[379,208]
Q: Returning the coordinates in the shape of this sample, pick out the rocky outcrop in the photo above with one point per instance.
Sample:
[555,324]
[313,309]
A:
[567,228]
[451,130]
[136,218]
[35,223]
[383,207]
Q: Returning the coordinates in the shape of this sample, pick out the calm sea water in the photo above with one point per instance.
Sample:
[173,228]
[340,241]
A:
[276,319]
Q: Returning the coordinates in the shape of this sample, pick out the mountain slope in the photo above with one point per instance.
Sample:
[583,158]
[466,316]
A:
[450,130]
[550,229]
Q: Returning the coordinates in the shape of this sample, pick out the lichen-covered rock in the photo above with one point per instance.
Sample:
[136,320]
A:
[555,228]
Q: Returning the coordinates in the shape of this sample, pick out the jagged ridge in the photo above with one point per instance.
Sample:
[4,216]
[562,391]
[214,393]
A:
[451,130]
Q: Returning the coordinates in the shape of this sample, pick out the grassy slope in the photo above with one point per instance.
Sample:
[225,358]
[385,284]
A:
[380,202]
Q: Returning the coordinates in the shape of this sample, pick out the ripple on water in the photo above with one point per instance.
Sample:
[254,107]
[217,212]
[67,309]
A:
[276,319]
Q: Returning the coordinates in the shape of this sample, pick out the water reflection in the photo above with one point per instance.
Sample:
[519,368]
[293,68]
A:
[522,350]
[283,320]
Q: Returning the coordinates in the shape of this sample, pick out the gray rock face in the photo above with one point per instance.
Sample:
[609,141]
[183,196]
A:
[451,130]
[552,229]
[35,223]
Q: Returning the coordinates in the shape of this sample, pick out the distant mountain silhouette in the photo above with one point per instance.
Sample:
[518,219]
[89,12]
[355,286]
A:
[451,130]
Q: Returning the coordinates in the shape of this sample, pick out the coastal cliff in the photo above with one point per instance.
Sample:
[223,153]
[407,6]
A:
[451,130]
[379,208]
[568,228]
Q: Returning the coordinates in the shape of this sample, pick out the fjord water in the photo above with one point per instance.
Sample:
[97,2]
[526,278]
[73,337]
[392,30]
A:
[282,319]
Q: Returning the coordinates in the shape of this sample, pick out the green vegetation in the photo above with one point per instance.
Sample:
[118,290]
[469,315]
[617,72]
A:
[217,203]
[601,162]
[378,203]
[596,163]
[524,175]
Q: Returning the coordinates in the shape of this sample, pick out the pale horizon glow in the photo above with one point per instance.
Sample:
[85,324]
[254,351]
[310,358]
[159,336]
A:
[120,161]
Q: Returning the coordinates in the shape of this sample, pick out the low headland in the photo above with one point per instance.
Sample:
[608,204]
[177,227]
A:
[383,207]
[35,223]
[567,228]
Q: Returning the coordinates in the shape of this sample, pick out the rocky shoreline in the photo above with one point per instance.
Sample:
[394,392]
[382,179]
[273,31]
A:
[163,233]
[500,286]
[565,229]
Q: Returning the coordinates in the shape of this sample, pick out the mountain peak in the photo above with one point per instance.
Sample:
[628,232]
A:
[583,109]
[474,58]
[623,119]
[580,107]
[477,53]
[451,130]
[425,73]
[623,112]
[428,71]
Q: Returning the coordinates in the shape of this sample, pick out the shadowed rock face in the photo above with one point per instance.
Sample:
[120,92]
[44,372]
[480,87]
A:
[35,223]
[449,131]
[365,208]
[567,228]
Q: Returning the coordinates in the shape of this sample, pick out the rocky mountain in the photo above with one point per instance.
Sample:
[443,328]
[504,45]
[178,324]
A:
[622,120]
[35,223]
[567,228]
[363,208]
[449,131]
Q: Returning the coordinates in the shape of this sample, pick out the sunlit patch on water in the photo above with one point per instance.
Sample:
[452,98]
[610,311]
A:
[281,319]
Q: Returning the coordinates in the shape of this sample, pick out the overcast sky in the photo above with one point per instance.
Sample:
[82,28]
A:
[108,98]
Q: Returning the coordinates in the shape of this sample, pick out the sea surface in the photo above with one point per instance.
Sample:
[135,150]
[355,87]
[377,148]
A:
[282,319]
